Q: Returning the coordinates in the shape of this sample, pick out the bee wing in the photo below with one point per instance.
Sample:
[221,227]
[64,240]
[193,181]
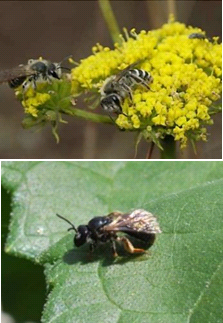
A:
[137,221]
[19,71]
[122,72]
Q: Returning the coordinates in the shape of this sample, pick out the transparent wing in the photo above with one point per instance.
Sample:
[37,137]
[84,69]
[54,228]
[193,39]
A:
[123,72]
[137,221]
[11,74]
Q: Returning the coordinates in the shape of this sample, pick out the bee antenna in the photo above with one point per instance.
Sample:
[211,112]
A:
[72,226]
[64,68]
[65,58]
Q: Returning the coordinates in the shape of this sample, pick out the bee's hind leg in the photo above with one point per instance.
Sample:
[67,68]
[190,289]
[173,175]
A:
[114,251]
[129,247]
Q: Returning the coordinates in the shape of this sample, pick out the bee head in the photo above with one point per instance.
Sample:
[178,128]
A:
[81,235]
[82,232]
[54,70]
[112,103]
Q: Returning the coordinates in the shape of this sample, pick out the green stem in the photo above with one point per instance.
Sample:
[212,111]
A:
[169,148]
[172,8]
[110,20]
[215,108]
[87,115]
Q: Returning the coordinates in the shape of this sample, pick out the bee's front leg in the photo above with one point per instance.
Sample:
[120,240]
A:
[92,246]
[129,247]
[26,83]
[34,84]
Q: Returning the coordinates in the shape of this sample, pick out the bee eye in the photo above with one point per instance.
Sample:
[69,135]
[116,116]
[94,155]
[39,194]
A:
[52,71]
[54,74]
[115,99]
[81,235]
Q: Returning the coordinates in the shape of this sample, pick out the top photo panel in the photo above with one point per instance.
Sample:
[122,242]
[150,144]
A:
[111,80]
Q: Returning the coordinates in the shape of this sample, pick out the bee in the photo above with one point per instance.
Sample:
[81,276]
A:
[139,224]
[117,87]
[197,36]
[36,70]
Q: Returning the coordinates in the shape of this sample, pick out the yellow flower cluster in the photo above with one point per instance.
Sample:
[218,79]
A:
[186,80]
[33,100]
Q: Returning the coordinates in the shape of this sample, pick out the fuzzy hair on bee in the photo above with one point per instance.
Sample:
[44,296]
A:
[36,70]
[139,224]
[117,87]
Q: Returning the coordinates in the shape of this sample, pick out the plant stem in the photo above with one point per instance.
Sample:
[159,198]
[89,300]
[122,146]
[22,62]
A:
[110,20]
[169,148]
[87,115]
[172,8]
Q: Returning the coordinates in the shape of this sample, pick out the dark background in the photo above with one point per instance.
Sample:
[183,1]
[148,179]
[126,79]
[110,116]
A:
[55,29]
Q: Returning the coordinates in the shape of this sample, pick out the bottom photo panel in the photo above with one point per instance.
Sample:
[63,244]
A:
[112,241]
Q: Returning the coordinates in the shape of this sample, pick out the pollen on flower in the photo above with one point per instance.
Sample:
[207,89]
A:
[123,122]
[159,120]
[186,76]
[32,102]
[135,120]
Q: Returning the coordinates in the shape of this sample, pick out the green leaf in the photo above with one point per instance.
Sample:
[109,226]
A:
[181,277]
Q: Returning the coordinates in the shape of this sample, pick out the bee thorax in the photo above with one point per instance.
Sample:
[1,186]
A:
[118,87]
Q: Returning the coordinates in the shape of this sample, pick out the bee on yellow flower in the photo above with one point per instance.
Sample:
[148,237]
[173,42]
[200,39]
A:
[185,69]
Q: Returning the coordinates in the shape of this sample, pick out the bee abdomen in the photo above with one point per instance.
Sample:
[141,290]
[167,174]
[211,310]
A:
[140,74]
[16,82]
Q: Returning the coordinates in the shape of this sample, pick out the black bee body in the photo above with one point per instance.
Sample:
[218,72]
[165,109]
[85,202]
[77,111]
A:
[42,71]
[35,70]
[93,231]
[197,36]
[139,224]
[138,76]
[117,87]
[14,83]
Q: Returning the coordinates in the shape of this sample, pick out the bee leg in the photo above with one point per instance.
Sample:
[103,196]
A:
[114,248]
[25,84]
[92,246]
[141,81]
[113,120]
[48,79]
[129,91]
[34,84]
[128,246]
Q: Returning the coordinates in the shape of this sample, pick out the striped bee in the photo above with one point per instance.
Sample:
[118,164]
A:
[117,87]
[197,36]
[36,70]
[139,224]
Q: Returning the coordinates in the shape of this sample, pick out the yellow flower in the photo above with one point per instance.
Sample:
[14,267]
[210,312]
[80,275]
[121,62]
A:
[186,75]
[159,120]
[32,102]
[186,79]
[135,120]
